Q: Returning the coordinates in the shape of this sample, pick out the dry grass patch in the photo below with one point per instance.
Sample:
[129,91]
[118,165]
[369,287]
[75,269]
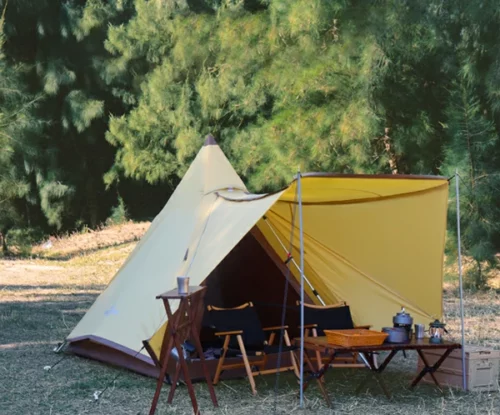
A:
[88,241]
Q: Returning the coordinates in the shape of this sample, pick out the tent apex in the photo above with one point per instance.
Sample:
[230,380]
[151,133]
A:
[210,141]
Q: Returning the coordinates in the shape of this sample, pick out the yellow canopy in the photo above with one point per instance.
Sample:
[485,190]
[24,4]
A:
[376,242]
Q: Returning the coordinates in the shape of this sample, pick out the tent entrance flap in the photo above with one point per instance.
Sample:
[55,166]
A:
[248,273]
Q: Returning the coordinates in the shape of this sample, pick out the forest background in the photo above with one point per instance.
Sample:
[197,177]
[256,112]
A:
[104,103]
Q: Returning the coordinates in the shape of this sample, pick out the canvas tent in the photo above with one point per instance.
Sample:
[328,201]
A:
[376,242]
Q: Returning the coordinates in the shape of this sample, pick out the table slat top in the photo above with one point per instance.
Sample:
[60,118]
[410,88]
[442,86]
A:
[174,294]
[414,344]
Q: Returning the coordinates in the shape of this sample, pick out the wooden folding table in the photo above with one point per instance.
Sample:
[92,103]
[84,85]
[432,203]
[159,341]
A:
[320,344]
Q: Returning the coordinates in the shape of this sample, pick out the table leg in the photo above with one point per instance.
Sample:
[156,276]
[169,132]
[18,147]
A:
[430,369]
[159,383]
[173,385]
[318,375]
[368,376]
[199,349]
[387,361]
[376,372]
[175,333]
[187,378]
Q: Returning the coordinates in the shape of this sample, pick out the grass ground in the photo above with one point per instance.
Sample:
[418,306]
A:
[42,300]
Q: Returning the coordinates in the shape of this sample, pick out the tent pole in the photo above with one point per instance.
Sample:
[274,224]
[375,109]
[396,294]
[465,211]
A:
[464,375]
[299,185]
[293,261]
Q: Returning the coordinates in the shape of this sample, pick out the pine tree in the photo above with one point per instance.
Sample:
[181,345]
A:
[15,120]
[66,55]
[279,88]
[130,87]
[474,151]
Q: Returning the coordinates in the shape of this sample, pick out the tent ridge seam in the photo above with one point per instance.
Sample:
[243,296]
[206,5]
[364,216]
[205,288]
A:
[371,200]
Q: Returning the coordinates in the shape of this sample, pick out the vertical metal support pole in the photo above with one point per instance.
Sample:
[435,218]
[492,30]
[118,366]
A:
[299,185]
[464,375]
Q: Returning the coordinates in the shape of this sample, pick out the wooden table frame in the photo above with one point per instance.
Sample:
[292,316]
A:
[183,325]
[319,344]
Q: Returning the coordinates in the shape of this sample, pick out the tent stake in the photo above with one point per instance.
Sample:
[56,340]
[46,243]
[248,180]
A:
[294,262]
[299,185]
[59,347]
[464,375]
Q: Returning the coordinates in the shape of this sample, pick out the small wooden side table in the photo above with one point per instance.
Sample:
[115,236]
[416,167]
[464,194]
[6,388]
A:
[183,325]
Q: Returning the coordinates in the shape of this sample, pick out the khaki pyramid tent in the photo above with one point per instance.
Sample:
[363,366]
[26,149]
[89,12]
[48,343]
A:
[376,242]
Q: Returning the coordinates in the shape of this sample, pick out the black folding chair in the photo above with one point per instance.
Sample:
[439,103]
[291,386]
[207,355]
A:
[244,336]
[318,318]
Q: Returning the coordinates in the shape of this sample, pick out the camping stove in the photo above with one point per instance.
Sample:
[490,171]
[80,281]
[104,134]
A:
[403,320]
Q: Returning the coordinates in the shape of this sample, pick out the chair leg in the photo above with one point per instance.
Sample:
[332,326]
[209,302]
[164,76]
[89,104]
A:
[247,364]
[263,363]
[221,360]
[319,359]
[292,356]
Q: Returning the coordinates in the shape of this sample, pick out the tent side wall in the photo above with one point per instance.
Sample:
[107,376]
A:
[194,232]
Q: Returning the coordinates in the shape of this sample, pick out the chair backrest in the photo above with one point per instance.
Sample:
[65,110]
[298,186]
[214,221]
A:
[336,317]
[243,317]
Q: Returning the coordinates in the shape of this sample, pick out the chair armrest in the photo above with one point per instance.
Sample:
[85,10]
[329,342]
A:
[228,333]
[367,326]
[273,328]
[308,326]
[323,307]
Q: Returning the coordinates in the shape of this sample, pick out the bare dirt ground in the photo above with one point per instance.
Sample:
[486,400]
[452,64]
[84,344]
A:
[41,300]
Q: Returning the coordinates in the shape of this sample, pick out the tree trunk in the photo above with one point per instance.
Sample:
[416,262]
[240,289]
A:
[393,161]
[92,205]
[5,250]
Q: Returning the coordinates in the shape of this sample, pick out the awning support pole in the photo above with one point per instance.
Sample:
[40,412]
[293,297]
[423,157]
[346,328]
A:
[464,375]
[302,277]
[294,262]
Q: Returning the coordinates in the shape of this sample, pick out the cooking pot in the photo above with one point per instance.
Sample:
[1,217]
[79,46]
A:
[396,334]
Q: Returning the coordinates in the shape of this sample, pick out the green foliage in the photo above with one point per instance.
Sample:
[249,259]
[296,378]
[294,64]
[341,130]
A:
[319,85]
[280,90]
[130,87]
[15,120]
[473,151]
[119,214]
[21,240]
[67,157]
